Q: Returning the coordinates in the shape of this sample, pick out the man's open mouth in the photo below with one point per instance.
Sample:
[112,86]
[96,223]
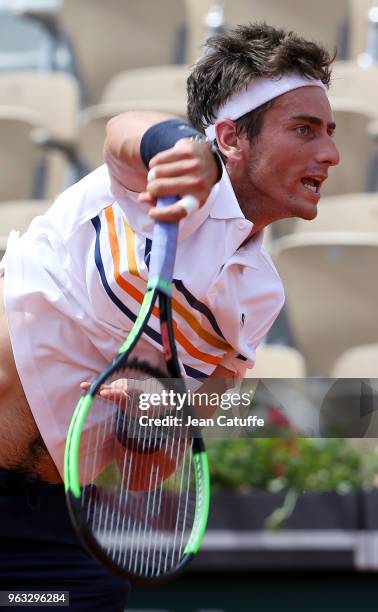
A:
[312,184]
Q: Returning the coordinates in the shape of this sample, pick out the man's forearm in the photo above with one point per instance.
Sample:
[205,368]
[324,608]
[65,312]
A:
[217,383]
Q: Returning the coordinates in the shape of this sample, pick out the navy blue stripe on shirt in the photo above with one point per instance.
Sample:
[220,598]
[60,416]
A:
[194,303]
[147,252]
[154,335]
[200,306]
[100,267]
[193,373]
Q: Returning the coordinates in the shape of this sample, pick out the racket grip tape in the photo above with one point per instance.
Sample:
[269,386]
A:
[163,251]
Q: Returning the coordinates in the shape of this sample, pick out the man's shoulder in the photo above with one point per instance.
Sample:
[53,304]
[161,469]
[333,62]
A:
[80,202]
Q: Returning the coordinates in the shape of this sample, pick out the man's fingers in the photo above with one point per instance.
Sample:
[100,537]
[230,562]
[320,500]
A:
[173,169]
[175,212]
[171,213]
[112,391]
[182,185]
[186,206]
[146,198]
[183,149]
[189,170]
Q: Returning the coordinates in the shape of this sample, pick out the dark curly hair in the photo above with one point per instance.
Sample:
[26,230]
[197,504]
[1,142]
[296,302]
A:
[236,57]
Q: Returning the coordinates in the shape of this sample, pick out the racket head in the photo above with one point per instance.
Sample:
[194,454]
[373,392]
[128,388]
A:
[138,495]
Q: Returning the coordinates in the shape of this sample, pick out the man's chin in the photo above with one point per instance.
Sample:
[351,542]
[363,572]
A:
[308,211]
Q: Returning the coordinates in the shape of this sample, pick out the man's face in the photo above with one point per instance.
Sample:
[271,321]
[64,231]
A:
[281,172]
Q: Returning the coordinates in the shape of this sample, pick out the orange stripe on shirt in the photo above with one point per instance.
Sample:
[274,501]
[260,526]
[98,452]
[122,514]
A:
[138,296]
[177,306]
[192,350]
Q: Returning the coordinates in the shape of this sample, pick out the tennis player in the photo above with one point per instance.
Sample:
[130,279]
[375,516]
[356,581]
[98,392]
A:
[73,283]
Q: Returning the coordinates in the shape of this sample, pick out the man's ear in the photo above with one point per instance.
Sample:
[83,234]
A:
[228,140]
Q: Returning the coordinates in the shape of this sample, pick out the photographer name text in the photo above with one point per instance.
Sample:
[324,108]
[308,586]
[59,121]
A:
[221,421]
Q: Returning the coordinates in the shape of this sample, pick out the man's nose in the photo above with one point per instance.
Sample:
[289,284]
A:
[328,152]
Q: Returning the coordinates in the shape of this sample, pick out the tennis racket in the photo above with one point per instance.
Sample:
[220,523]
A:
[138,493]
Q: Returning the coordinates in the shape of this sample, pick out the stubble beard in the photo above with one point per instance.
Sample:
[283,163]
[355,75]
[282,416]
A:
[256,205]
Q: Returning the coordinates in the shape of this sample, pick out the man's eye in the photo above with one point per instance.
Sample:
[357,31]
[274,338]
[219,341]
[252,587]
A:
[303,130]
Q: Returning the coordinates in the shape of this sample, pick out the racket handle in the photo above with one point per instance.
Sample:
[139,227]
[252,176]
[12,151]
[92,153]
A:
[163,252]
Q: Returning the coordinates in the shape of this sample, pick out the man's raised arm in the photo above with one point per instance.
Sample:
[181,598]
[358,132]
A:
[183,165]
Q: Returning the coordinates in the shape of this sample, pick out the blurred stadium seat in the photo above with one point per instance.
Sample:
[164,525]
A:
[297,15]
[32,38]
[358,27]
[355,212]
[159,88]
[326,23]
[93,120]
[113,36]
[19,157]
[24,44]
[357,149]
[53,96]
[156,83]
[275,361]
[357,362]
[17,215]
[355,85]
[331,293]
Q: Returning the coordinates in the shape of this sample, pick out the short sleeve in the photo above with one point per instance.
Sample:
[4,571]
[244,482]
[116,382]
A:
[236,363]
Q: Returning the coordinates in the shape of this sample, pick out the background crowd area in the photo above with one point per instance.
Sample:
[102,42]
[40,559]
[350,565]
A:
[66,67]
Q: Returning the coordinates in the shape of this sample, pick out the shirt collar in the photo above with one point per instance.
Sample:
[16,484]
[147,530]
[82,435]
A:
[224,205]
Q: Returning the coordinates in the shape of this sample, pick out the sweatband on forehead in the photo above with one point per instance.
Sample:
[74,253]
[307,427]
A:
[258,92]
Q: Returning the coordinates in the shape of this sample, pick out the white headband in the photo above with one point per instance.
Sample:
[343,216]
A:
[258,92]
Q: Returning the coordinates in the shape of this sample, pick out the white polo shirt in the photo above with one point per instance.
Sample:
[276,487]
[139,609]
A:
[75,280]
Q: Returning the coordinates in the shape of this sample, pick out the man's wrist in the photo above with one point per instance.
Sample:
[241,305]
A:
[215,152]
[164,135]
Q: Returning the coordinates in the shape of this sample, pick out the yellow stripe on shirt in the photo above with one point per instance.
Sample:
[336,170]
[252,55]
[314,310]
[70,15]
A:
[138,296]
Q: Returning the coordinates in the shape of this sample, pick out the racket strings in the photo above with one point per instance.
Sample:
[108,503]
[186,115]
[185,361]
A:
[151,476]
[111,417]
[99,432]
[142,507]
[147,552]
